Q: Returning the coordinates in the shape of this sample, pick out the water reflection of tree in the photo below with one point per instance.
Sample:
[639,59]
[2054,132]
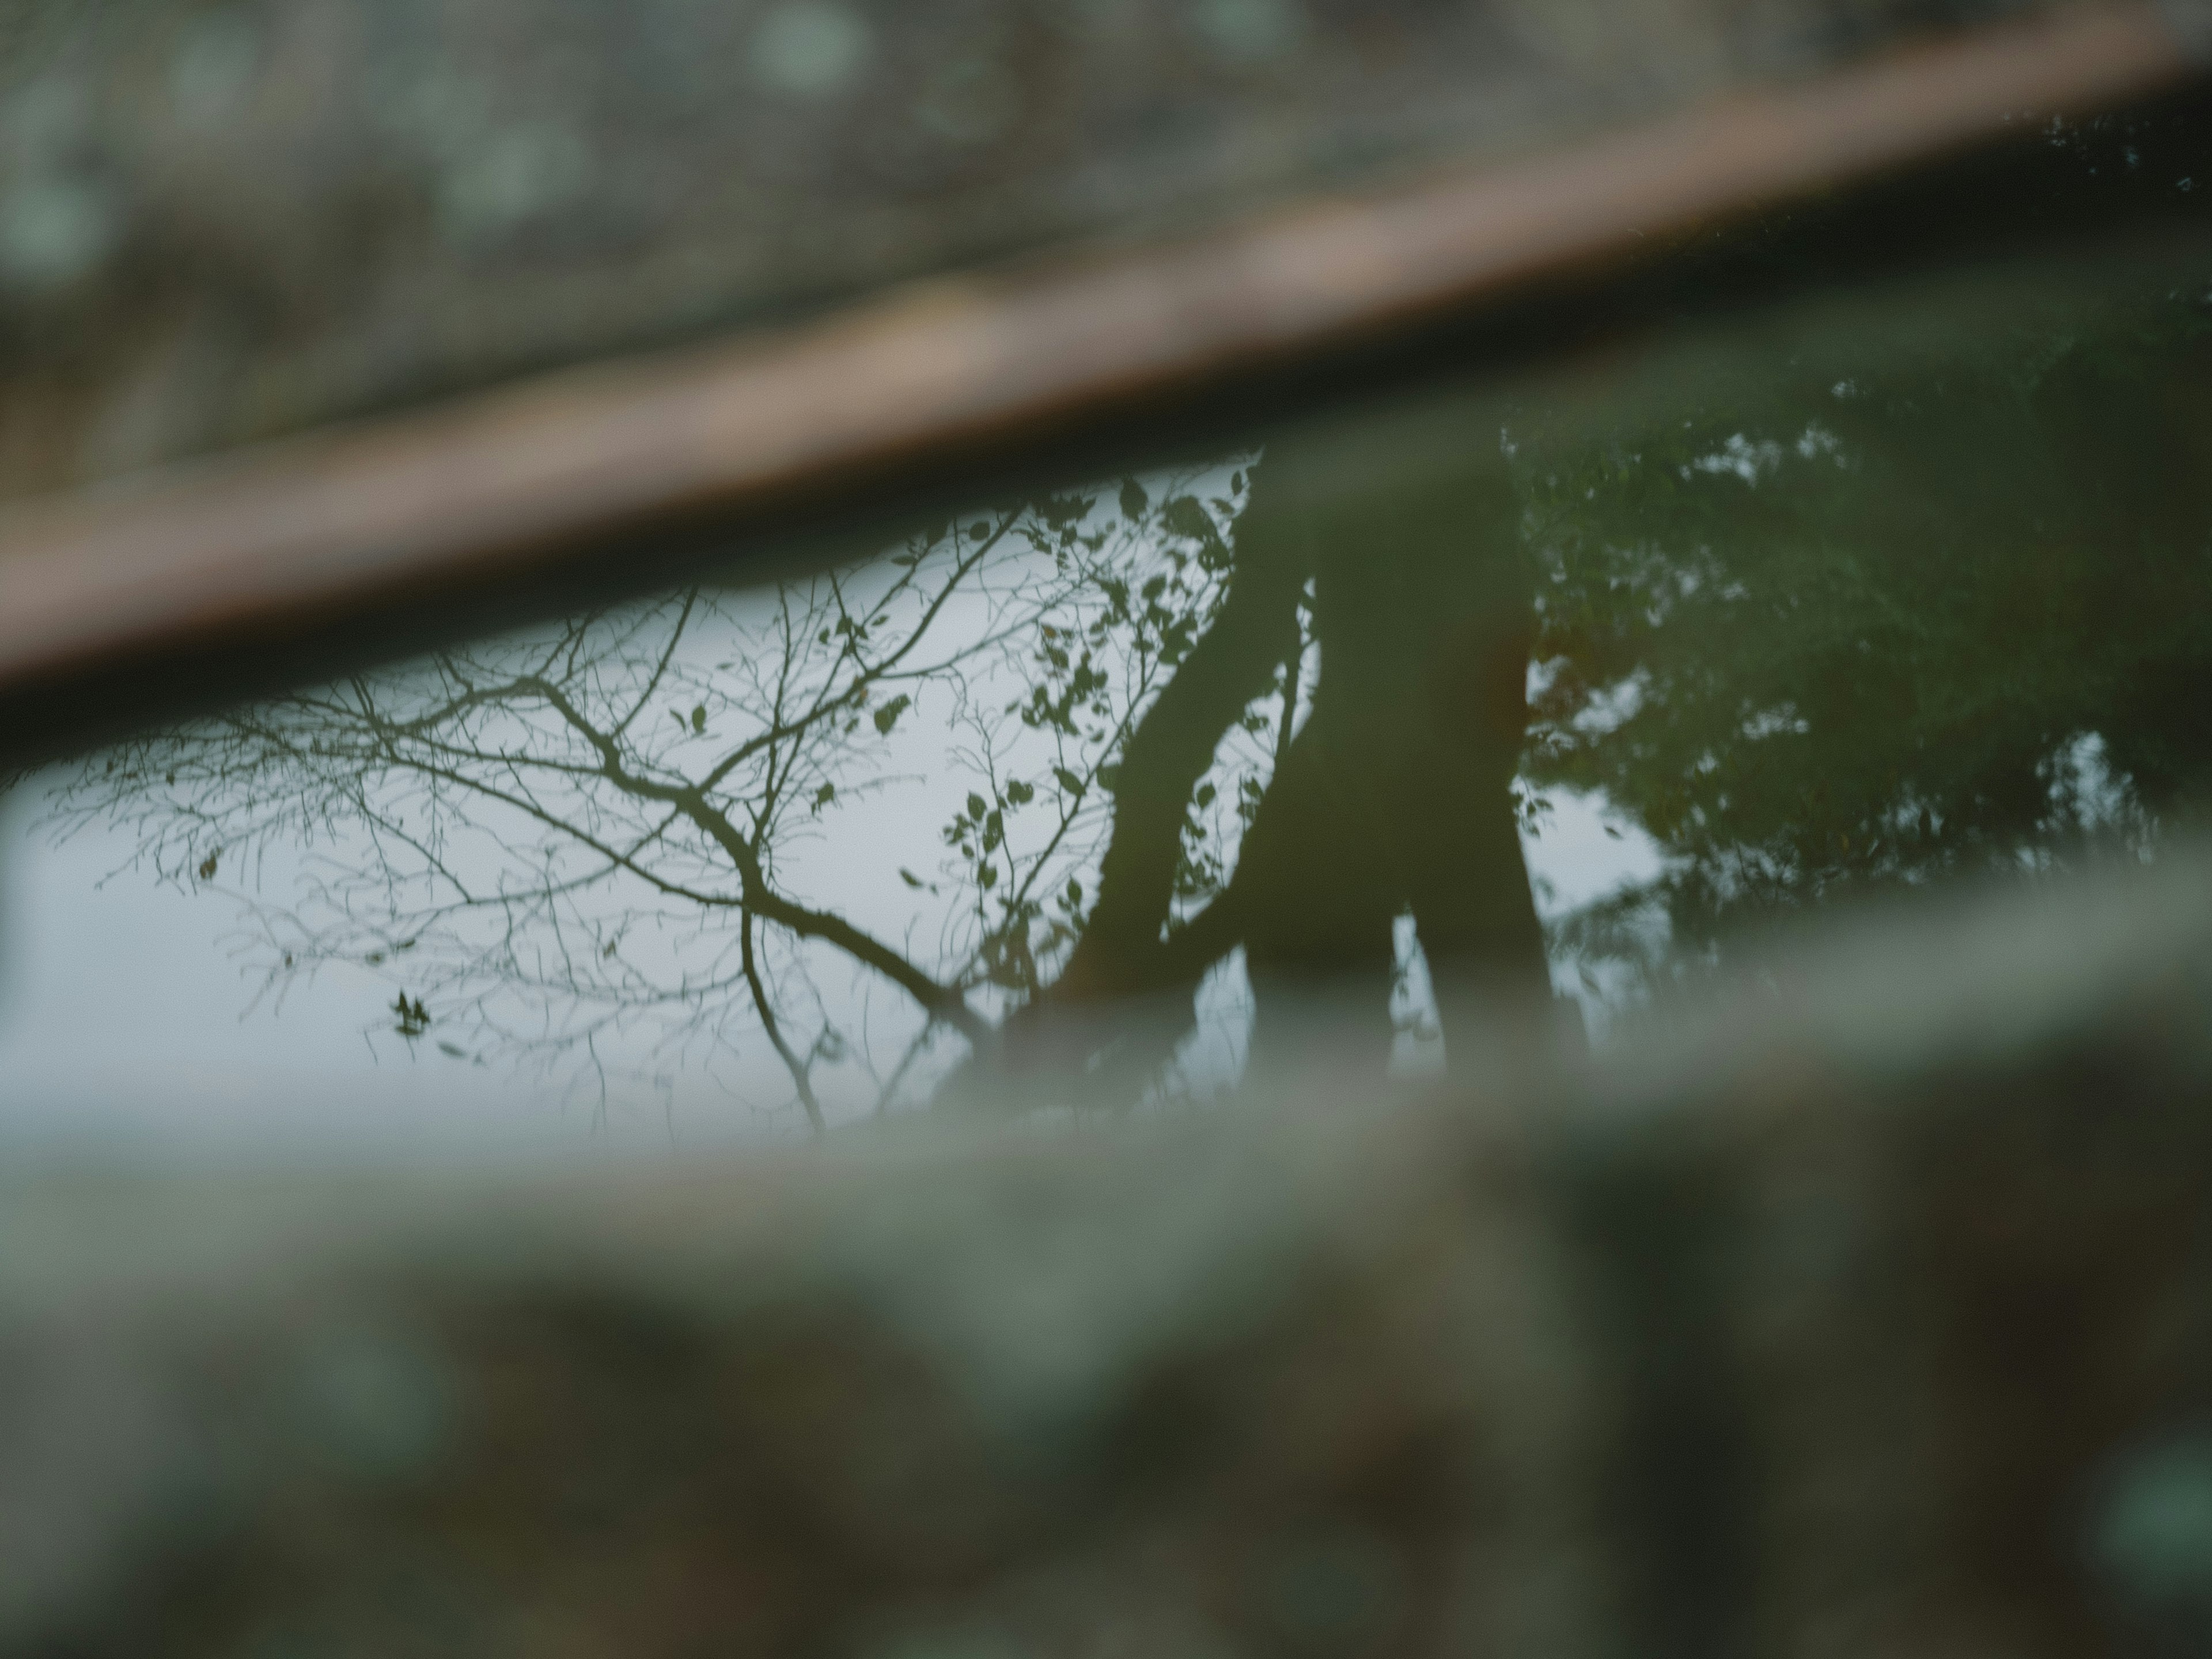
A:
[1396,794]
[569,836]
[1838,613]
[1877,617]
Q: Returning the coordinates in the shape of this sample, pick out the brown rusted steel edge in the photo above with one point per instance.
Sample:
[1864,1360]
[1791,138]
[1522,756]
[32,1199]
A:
[490,488]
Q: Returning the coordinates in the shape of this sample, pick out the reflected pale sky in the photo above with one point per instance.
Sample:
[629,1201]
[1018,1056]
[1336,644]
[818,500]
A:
[126,1020]
[139,1013]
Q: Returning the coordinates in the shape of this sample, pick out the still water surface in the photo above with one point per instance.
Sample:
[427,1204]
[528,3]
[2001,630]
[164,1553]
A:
[1539,703]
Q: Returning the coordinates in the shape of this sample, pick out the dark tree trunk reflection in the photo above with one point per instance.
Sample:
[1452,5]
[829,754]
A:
[1396,794]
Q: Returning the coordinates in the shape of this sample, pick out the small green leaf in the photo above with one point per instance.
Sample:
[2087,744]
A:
[1067,780]
[1185,517]
[699,718]
[1021,793]
[976,807]
[824,795]
[887,716]
[1134,499]
[908,877]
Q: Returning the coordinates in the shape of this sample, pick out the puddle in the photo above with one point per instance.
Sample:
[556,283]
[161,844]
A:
[1575,688]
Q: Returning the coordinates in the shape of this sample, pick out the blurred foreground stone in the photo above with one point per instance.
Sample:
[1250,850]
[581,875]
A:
[1868,1314]
[221,222]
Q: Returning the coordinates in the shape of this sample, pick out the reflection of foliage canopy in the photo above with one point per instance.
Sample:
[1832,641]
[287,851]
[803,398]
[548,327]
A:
[1901,601]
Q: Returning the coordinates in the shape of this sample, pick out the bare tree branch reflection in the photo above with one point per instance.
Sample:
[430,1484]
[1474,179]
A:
[611,827]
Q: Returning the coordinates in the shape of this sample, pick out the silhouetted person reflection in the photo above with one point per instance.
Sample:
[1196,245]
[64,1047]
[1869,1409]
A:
[1397,793]
[1395,796]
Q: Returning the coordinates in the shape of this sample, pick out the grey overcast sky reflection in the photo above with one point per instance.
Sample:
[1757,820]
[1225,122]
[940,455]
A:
[271,955]
[128,1014]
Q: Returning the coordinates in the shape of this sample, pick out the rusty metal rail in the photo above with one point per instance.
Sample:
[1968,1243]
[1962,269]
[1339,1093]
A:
[980,370]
